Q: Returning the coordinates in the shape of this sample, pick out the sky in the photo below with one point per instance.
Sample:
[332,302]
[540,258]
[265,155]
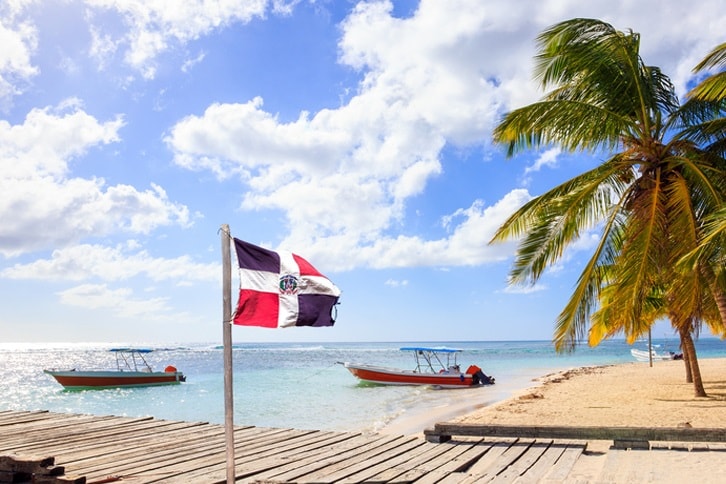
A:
[355,134]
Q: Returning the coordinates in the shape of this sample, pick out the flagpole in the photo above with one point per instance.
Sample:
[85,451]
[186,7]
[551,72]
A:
[227,343]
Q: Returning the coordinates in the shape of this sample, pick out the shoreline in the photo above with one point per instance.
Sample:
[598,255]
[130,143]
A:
[619,395]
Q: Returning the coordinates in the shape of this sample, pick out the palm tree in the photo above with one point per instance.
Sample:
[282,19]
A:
[648,198]
[704,117]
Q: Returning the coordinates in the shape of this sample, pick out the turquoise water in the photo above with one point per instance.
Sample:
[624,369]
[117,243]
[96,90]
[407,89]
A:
[295,385]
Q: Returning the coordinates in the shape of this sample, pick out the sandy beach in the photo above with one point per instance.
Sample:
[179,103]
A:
[630,394]
[623,395]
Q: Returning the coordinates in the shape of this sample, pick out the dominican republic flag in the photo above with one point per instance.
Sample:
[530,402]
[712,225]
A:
[281,289]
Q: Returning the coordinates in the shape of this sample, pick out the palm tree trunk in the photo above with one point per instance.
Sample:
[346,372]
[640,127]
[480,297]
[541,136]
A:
[690,350]
[686,362]
[718,294]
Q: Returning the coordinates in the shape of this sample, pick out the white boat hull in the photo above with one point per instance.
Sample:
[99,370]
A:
[643,355]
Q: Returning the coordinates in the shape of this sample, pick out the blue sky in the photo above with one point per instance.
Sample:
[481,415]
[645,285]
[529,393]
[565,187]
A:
[356,134]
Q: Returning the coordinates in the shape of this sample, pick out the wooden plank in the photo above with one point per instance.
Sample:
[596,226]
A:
[490,459]
[207,453]
[83,430]
[139,439]
[483,469]
[94,437]
[369,466]
[126,456]
[390,468]
[487,471]
[270,458]
[336,460]
[48,426]
[73,425]
[11,417]
[681,434]
[252,460]
[522,465]
[446,478]
[413,468]
[319,442]
[366,450]
[542,466]
[473,450]
[458,465]
[142,468]
[561,469]
[110,459]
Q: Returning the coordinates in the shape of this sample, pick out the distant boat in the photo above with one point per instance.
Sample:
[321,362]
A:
[643,355]
[430,370]
[132,370]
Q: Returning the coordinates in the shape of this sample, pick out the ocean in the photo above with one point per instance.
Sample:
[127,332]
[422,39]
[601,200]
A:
[293,385]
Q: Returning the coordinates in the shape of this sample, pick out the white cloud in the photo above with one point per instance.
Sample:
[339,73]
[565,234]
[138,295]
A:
[522,289]
[41,199]
[119,302]
[548,159]
[396,283]
[102,47]
[84,262]
[466,245]
[19,41]
[49,138]
[155,26]
[190,63]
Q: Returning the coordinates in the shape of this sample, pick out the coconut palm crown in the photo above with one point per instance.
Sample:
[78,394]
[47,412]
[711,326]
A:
[649,198]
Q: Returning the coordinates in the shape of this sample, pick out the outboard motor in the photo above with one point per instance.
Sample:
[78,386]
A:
[478,377]
[485,379]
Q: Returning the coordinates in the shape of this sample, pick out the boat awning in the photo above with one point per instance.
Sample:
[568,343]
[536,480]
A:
[425,348]
[131,350]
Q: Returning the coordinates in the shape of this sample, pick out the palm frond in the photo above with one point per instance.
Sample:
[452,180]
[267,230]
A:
[556,218]
[717,57]
[713,88]
[571,125]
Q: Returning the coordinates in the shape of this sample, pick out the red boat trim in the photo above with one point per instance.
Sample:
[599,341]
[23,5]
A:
[398,377]
[76,380]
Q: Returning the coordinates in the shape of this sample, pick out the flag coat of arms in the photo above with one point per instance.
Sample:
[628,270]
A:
[280,289]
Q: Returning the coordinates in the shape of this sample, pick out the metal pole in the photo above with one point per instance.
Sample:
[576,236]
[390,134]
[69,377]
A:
[227,343]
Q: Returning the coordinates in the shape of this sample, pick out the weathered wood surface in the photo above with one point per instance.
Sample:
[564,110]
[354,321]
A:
[624,437]
[34,469]
[143,450]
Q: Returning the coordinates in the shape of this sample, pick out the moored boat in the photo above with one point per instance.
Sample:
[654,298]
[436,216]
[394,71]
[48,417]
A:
[643,355]
[132,370]
[430,370]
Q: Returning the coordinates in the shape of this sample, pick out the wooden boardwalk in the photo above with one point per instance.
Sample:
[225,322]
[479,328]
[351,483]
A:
[105,449]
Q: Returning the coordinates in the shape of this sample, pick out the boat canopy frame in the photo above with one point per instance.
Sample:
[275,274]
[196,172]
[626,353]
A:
[130,359]
[427,357]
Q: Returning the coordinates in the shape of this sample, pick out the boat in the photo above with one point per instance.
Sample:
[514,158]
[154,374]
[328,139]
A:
[132,370]
[643,355]
[435,367]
